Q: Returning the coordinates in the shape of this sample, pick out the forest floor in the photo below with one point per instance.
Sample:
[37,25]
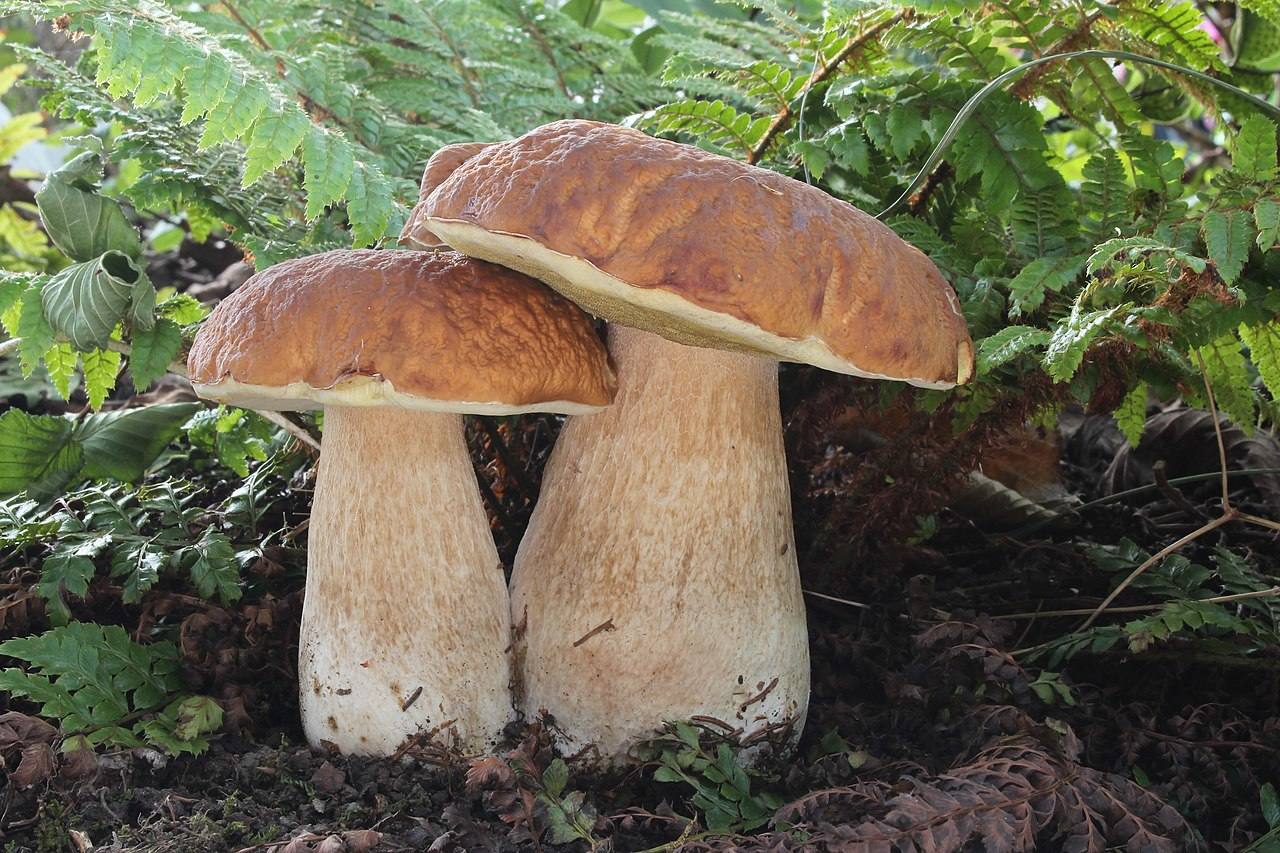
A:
[940,718]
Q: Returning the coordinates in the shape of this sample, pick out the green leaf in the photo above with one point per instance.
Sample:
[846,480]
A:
[369,205]
[1227,235]
[328,162]
[215,570]
[196,716]
[1228,376]
[1270,803]
[122,444]
[182,309]
[86,301]
[1105,194]
[80,222]
[276,136]
[1131,414]
[206,82]
[1263,341]
[1255,150]
[555,777]
[905,126]
[101,367]
[1007,344]
[36,454]
[33,328]
[232,116]
[64,573]
[153,351]
[1070,340]
[60,364]
[139,564]
[1266,215]
[1028,288]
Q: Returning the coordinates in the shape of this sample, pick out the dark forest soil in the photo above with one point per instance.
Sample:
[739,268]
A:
[924,726]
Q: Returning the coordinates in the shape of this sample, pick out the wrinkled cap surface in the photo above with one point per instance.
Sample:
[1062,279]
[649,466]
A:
[415,234]
[421,330]
[706,251]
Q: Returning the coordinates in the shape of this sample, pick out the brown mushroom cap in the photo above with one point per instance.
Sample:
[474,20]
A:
[415,234]
[421,330]
[706,251]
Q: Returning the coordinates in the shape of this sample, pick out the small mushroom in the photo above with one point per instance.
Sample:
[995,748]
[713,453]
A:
[658,578]
[406,625]
[442,164]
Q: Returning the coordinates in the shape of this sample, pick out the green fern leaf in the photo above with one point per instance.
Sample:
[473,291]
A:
[1071,338]
[1254,156]
[1174,27]
[33,328]
[328,166]
[153,351]
[206,83]
[1131,414]
[276,136]
[1028,288]
[1263,341]
[101,367]
[1104,194]
[60,364]
[1227,236]
[1266,215]
[61,574]
[239,108]
[1007,344]
[369,204]
[1228,375]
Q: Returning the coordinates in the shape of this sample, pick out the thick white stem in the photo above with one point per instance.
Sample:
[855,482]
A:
[406,625]
[658,578]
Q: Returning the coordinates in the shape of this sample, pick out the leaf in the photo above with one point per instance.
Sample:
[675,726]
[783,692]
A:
[140,566]
[1266,215]
[1255,150]
[36,454]
[232,116]
[1070,340]
[905,126]
[80,222]
[153,351]
[1263,341]
[1225,369]
[196,715]
[1007,344]
[1270,804]
[33,328]
[101,367]
[1227,235]
[64,573]
[121,445]
[60,364]
[276,136]
[328,165]
[555,777]
[1131,414]
[215,570]
[1105,194]
[1027,289]
[86,301]
[369,205]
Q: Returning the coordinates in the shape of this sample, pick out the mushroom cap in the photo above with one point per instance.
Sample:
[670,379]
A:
[706,251]
[415,234]
[434,331]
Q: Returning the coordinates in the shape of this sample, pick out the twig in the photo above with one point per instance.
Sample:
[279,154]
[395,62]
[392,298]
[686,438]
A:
[1142,608]
[847,601]
[784,117]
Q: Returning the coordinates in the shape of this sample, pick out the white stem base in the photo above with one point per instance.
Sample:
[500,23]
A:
[658,578]
[405,626]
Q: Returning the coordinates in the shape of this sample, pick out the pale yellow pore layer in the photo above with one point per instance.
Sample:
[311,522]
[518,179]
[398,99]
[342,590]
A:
[405,627]
[658,579]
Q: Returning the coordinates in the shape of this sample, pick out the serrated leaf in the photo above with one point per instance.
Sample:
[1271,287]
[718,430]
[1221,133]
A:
[195,715]
[33,328]
[1028,288]
[152,352]
[1071,338]
[555,777]
[214,570]
[86,301]
[60,364]
[80,222]
[369,205]
[1007,344]
[36,454]
[232,116]
[328,162]
[1104,195]
[1266,215]
[1227,235]
[1263,341]
[206,81]
[905,126]
[276,136]
[63,573]
[101,367]
[1254,156]
[182,309]
[1131,414]
[139,565]
[1225,369]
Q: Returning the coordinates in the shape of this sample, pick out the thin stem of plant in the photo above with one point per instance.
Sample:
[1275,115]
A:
[1270,592]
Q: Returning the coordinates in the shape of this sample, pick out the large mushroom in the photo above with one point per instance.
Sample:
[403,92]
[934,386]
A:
[658,579]
[405,625]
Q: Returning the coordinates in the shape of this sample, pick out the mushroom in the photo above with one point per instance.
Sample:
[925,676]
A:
[658,579]
[406,624]
[442,164]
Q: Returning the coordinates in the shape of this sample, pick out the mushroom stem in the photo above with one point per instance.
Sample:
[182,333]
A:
[405,626]
[658,578]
